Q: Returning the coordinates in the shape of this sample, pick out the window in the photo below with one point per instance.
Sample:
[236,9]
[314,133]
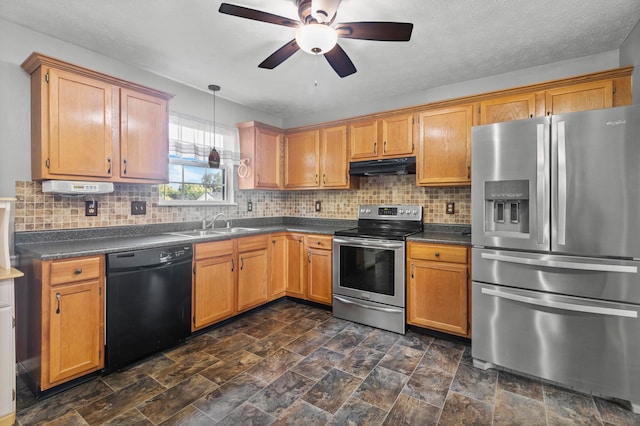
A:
[191,181]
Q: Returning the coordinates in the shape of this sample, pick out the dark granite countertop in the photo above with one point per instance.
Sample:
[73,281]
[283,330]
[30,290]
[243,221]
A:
[48,245]
[444,234]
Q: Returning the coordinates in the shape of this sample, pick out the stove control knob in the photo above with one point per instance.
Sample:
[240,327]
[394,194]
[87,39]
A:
[361,210]
[368,211]
[415,212]
[401,211]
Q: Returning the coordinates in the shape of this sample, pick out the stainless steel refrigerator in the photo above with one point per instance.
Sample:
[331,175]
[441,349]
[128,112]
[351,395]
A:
[556,249]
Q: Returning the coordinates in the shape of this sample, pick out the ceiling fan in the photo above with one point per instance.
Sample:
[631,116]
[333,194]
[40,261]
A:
[317,35]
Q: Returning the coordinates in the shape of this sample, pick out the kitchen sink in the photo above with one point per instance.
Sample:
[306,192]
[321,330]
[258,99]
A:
[218,231]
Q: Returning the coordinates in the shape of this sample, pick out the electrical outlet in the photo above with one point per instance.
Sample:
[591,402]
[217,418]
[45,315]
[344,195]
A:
[91,208]
[318,206]
[451,208]
[250,206]
[138,207]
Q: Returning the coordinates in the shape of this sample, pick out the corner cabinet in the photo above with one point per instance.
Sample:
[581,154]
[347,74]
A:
[88,125]
[65,330]
[438,287]
[385,137]
[445,146]
[260,156]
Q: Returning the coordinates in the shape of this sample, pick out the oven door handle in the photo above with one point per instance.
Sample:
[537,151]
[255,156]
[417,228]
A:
[368,243]
[567,306]
[373,308]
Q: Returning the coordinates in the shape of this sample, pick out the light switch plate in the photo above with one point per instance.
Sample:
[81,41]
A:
[318,206]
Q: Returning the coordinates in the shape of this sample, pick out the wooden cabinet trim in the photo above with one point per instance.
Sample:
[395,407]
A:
[75,270]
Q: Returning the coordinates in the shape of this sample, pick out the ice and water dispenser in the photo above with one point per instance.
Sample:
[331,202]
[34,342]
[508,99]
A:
[507,206]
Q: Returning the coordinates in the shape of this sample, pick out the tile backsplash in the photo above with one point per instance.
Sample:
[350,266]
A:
[35,210]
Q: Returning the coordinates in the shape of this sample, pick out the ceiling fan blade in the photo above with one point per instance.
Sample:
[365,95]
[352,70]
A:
[280,55]
[381,31]
[257,15]
[340,62]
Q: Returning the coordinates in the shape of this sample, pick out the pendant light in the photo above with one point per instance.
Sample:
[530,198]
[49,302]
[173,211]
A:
[214,156]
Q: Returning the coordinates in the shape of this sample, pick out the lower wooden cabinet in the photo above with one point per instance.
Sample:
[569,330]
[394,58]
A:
[65,308]
[214,290]
[295,266]
[319,270]
[228,277]
[253,268]
[437,287]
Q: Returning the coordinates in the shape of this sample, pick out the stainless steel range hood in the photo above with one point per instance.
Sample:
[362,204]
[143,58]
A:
[388,166]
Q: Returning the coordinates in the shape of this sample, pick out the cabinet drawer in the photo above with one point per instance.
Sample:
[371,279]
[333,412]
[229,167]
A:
[213,249]
[319,241]
[257,242]
[438,252]
[73,270]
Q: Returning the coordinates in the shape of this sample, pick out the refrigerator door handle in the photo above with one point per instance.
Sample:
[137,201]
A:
[599,267]
[540,182]
[562,184]
[567,306]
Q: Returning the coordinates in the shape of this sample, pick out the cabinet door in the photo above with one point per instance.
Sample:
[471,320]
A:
[295,266]
[252,279]
[437,296]
[363,137]
[75,336]
[267,162]
[579,97]
[445,154]
[302,160]
[80,118]
[397,135]
[213,290]
[335,158]
[508,108]
[144,145]
[319,275]
[277,266]
[7,361]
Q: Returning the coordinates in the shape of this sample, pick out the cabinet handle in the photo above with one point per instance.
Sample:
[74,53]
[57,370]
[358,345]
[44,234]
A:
[108,165]
[384,147]
[58,297]
[375,148]
[437,254]
[241,263]
[324,179]
[319,243]
[308,257]
[468,172]
[233,265]
[258,175]
[412,267]
[125,166]
[316,178]
[78,271]
[273,241]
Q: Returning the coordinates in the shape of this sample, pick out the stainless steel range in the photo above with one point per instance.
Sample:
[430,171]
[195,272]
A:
[369,266]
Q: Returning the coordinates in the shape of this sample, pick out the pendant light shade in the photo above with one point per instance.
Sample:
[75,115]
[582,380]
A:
[214,155]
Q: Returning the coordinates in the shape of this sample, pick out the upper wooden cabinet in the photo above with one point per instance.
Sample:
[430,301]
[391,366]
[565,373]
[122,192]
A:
[383,137]
[507,108]
[302,159]
[317,159]
[260,156]
[88,125]
[445,146]
[579,97]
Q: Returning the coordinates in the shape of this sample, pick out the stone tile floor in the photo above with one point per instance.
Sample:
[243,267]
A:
[294,364]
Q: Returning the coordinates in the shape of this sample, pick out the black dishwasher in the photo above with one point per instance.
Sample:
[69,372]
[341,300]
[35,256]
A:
[148,302]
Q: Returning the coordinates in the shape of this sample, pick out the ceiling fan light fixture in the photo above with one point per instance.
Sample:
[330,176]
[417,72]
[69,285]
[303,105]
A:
[316,38]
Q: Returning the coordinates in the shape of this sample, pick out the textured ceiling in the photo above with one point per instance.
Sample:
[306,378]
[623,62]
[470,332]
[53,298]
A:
[453,40]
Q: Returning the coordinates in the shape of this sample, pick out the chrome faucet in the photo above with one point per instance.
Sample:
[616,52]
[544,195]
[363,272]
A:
[226,220]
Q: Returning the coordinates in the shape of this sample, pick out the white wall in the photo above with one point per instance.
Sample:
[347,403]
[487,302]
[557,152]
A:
[630,55]
[15,137]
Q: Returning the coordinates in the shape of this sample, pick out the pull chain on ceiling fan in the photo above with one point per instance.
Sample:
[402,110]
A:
[316,35]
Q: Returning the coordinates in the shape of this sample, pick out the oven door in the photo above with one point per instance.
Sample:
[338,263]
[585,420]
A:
[369,269]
